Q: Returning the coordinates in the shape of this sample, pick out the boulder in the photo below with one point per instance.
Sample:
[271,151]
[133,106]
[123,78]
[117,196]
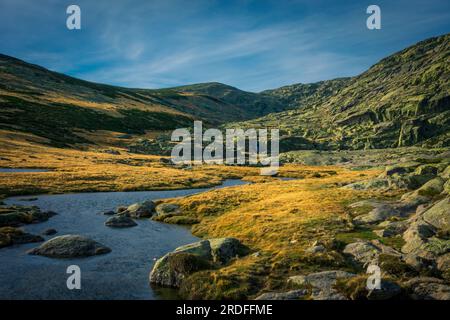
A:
[432,187]
[426,288]
[120,221]
[70,246]
[379,213]
[14,216]
[225,249]
[439,215]
[171,269]
[391,228]
[289,295]
[316,247]
[11,236]
[322,284]
[140,210]
[363,252]
[426,169]
[168,209]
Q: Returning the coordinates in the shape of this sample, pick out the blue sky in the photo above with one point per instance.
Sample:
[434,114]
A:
[253,45]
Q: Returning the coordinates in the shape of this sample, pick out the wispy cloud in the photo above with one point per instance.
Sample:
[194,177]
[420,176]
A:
[253,45]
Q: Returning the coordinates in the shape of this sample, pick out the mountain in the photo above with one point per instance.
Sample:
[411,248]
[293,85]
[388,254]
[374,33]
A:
[64,109]
[403,100]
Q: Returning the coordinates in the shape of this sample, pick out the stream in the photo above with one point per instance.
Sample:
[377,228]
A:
[121,274]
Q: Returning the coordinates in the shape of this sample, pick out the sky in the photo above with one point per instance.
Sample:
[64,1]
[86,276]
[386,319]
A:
[250,44]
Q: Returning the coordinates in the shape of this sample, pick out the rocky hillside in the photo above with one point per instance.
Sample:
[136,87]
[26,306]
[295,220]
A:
[403,100]
[58,107]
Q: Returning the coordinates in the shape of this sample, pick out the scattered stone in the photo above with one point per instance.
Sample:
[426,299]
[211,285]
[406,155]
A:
[120,221]
[289,295]
[69,246]
[49,232]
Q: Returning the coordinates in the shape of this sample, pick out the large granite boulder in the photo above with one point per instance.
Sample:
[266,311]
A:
[426,288]
[70,246]
[171,269]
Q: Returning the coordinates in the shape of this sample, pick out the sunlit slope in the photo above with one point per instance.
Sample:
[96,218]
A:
[403,100]
[52,105]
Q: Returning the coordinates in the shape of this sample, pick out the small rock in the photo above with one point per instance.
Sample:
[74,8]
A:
[121,221]
[363,252]
[109,213]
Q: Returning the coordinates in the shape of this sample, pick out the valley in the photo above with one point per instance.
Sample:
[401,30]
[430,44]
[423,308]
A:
[364,180]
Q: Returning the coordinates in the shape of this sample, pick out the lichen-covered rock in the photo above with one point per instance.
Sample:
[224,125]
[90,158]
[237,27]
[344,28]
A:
[166,209]
[425,288]
[363,252]
[289,295]
[140,210]
[174,267]
[200,248]
[14,216]
[70,246]
[170,271]
[10,236]
[432,187]
[224,249]
[322,284]
[120,221]
[439,215]
[391,228]
[380,213]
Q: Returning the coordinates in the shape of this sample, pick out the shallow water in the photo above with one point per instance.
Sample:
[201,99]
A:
[121,274]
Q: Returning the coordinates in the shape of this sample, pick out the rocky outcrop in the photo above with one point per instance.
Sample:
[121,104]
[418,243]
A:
[426,288]
[14,216]
[10,236]
[322,284]
[120,221]
[70,246]
[171,269]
